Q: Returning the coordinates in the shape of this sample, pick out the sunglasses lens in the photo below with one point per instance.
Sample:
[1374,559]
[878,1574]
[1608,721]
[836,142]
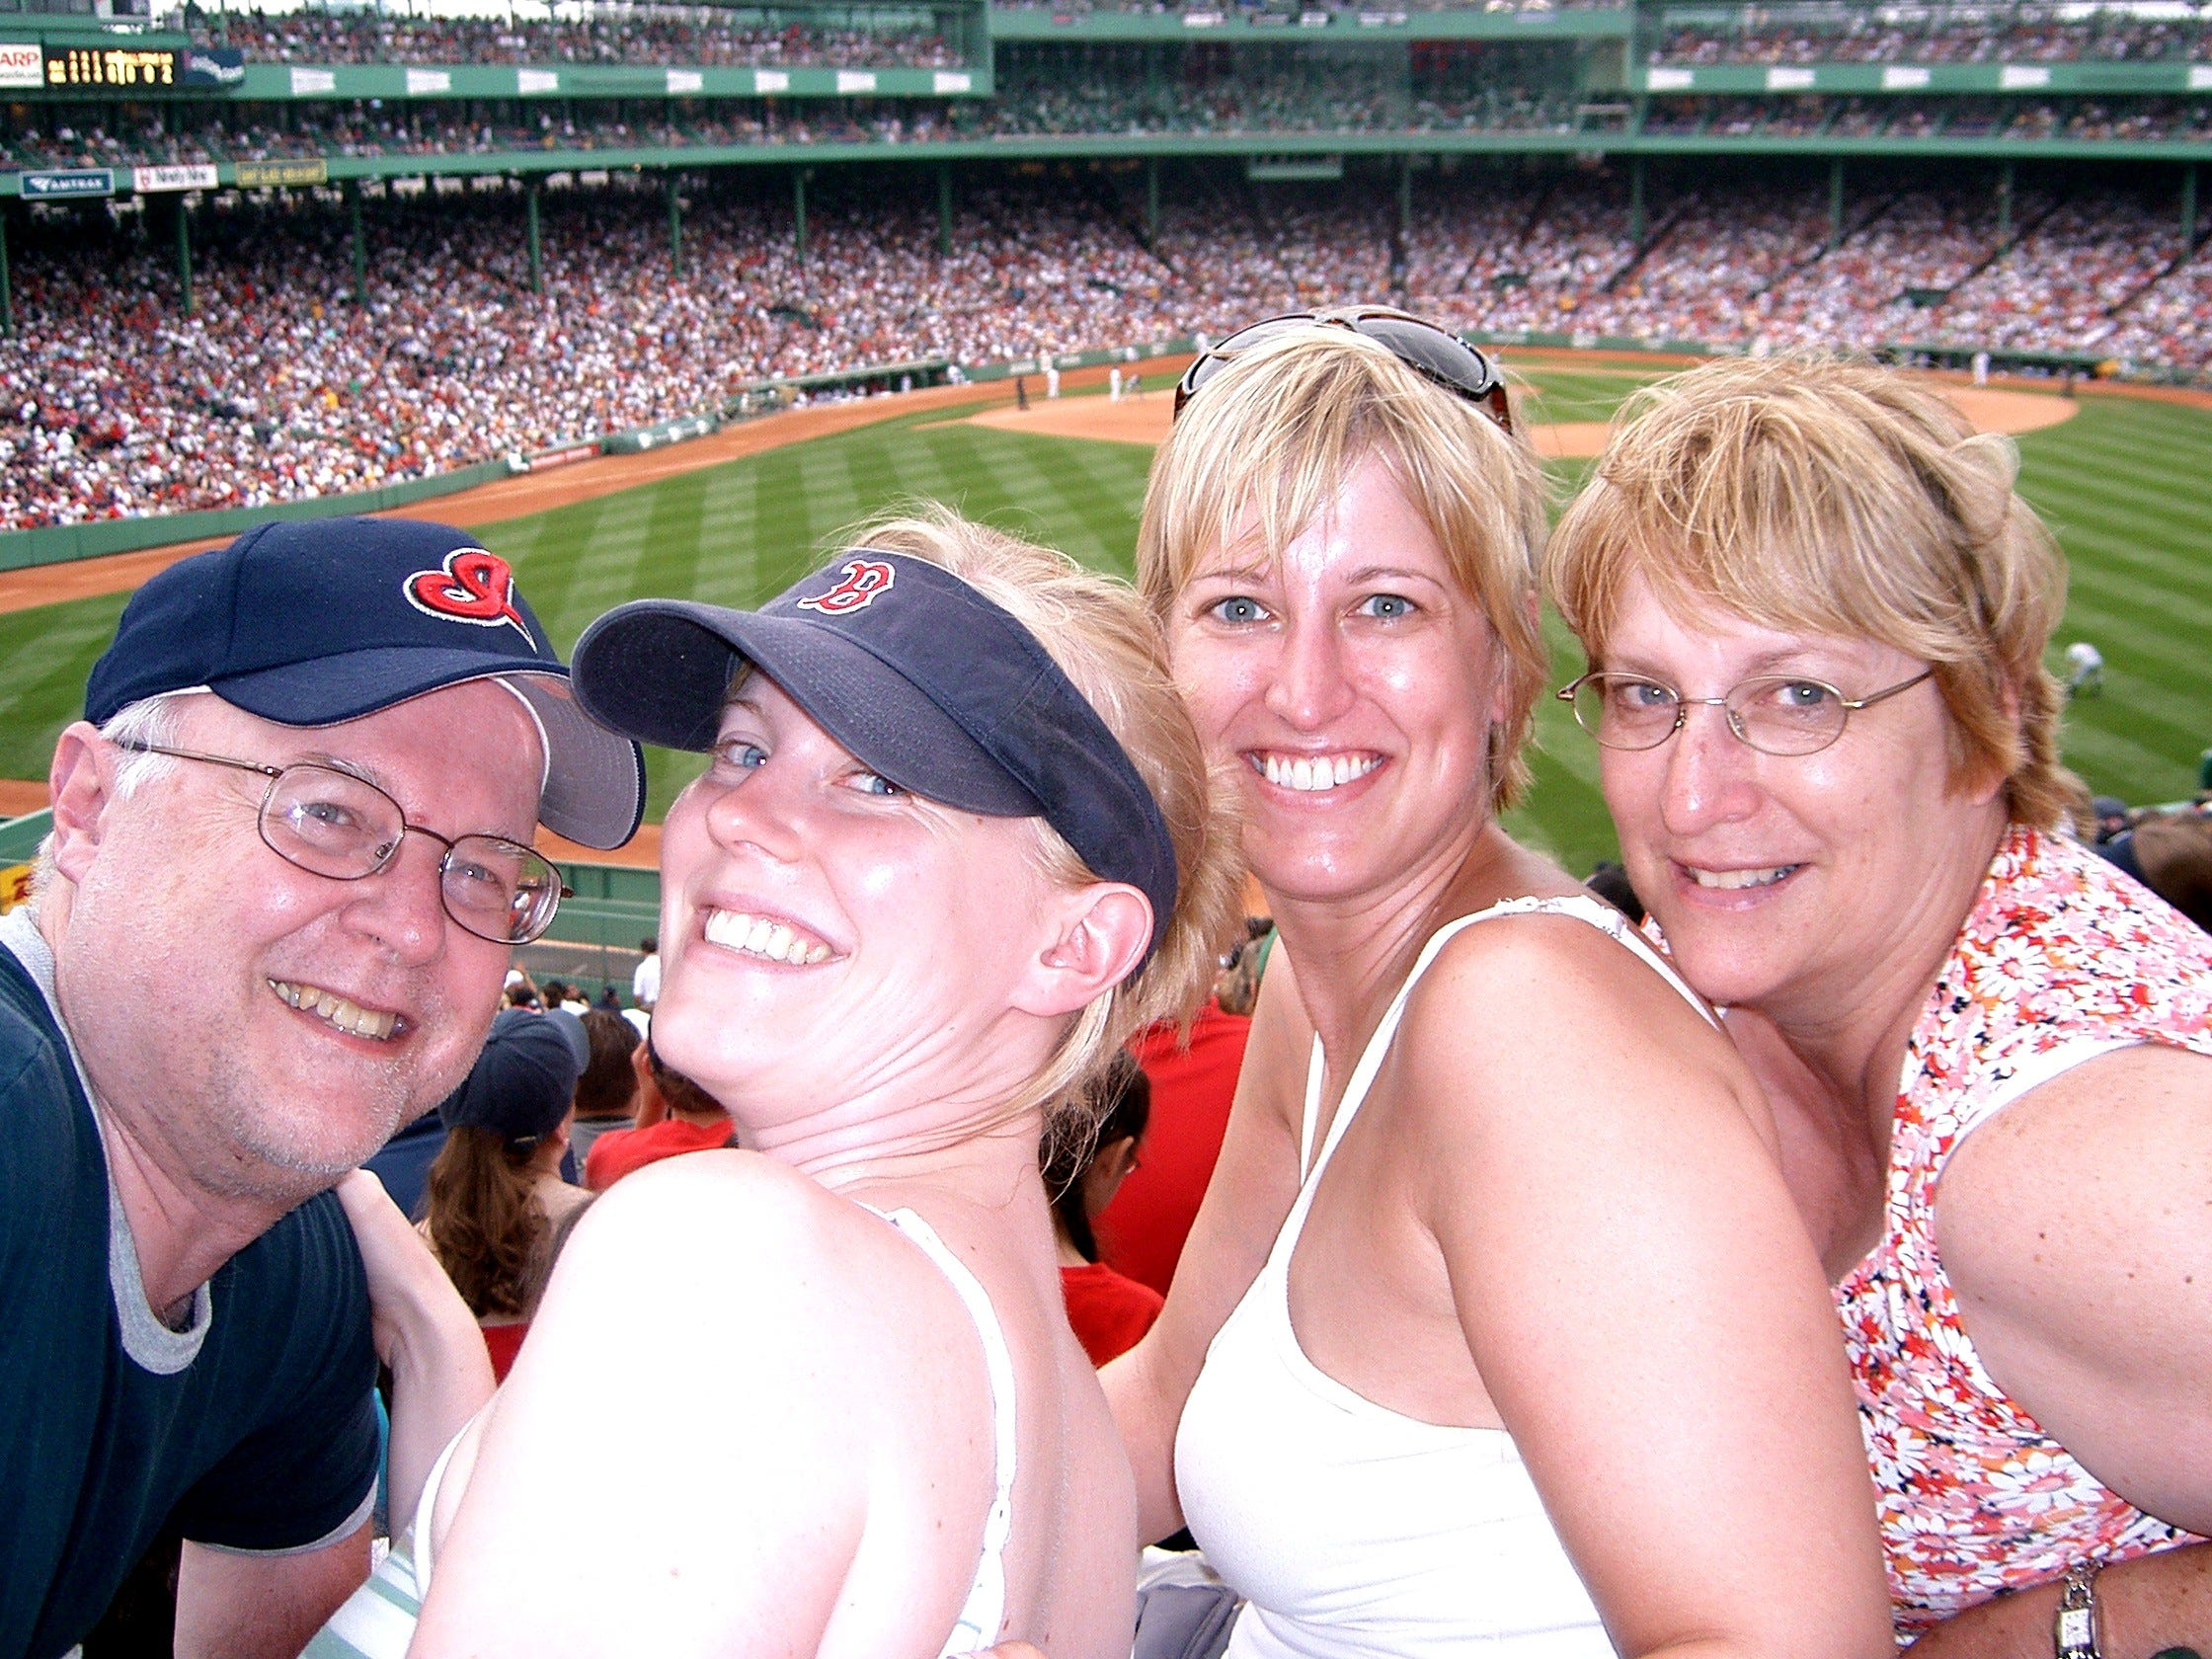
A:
[1214,358]
[1430,349]
[1423,346]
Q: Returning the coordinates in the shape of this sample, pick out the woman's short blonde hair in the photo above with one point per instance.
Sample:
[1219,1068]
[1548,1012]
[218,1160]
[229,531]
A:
[1259,454]
[1103,640]
[1822,496]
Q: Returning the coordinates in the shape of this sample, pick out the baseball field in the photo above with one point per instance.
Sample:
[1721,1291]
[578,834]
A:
[2126,482]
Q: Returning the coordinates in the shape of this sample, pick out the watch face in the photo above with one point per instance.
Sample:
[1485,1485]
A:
[2074,1629]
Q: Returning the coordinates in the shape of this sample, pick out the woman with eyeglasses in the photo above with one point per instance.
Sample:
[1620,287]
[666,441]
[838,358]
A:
[1816,610]
[954,842]
[1497,1332]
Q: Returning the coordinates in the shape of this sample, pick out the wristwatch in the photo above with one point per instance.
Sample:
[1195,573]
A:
[2075,1635]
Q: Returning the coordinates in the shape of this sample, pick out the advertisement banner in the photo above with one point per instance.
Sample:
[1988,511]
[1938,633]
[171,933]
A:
[215,66]
[261,175]
[110,67]
[682,81]
[425,83]
[856,80]
[151,181]
[952,80]
[310,83]
[533,82]
[22,65]
[567,454]
[77,181]
[772,80]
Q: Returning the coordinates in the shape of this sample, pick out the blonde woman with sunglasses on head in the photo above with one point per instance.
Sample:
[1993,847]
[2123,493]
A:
[1497,1332]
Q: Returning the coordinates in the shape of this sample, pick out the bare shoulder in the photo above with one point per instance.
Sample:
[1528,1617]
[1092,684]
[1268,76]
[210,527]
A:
[2115,1153]
[2076,1228]
[732,1265]
[1529,1010]
[772,1375]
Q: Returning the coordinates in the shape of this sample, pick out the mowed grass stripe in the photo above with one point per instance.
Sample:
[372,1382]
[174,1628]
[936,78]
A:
[47,653]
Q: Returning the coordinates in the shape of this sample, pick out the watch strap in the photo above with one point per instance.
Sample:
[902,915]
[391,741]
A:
[2074,1634]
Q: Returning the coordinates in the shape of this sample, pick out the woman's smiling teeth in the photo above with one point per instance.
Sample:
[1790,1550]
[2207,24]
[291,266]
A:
[1314,772]
[758,937]
[1729,880]
[349,1017]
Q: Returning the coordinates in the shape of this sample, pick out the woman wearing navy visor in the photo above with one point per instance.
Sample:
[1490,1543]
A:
[1497,1332]
[956,840]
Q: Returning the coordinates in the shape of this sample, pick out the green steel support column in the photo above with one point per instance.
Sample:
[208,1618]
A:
[2005,203]
[7,297]
[799,212]
[1152,198]
[1835,201]
[675,228]
[361,241]
[184,255]
[944,209]
[532,186]
[1405,198]
[2189,210]
[1636,224]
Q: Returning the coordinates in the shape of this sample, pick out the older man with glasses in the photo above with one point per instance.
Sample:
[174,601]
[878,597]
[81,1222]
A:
[290,863]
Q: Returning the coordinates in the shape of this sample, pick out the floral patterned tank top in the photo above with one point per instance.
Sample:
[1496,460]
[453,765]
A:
[2062,958]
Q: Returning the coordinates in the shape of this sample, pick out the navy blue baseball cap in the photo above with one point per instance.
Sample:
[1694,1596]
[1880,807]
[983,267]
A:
[521,1084]
[924,680]
[330,619]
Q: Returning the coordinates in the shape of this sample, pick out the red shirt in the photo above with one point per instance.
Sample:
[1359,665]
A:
[1140,1233]
[502,1343]
[1109,1312]
[618,1152]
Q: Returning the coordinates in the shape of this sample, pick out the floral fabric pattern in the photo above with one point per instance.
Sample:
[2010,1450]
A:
[2060,953]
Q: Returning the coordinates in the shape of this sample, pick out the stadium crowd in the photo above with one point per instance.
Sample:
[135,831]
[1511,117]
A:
[665,34]
[1871,34]
[279,385]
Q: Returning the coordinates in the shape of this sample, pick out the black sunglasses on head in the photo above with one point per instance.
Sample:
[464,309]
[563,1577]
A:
[1433,353]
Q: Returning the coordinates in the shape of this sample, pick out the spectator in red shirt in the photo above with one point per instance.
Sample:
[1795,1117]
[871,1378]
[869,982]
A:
[675,1116]
[1108,1310]
[1142,1236]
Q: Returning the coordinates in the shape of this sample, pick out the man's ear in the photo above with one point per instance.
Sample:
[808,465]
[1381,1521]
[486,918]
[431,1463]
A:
[82,782]
[1101,933]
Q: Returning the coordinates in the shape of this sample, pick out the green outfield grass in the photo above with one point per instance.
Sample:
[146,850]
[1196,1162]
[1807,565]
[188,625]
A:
[2126,484]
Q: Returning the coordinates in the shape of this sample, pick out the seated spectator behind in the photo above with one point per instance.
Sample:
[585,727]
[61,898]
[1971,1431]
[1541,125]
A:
[1609,882]
[675,1116]
[2172,854]
[494,1194]
[1108,1310]
[606,1095]
[1193,1082]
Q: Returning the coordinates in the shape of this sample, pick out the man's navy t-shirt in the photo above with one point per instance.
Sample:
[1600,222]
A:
[254,1428]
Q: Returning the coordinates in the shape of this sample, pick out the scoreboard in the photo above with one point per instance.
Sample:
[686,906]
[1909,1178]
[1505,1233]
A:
[121,68]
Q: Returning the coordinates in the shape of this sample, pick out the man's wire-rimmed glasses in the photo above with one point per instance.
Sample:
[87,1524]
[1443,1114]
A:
[1776,714]
[333,823]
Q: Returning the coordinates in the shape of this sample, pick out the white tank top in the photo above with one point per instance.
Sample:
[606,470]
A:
[1357,1531]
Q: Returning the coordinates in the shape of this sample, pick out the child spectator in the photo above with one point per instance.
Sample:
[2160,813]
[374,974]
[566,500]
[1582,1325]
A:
[1109,1311]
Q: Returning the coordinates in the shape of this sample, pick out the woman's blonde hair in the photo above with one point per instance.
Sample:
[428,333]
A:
[1259,454]
[1821,496]
[1104,642]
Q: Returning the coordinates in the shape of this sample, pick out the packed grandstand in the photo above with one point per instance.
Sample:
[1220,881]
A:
[468,319]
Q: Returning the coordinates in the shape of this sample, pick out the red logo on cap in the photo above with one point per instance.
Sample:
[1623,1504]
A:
[474,587]
[863,581]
